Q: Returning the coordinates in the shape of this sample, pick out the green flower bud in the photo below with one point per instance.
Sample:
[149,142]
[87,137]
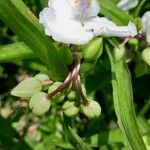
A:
[71,96]
[70,109]
[59,97]
[42,77]
[39,104]
[54,86]
[119,52]
[133,43]
[27,88]
[146,55]
[93,50]
[92,110]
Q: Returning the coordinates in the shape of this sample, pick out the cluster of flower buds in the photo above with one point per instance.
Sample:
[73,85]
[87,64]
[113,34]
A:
[74,105]
[34,88]
[42,91]
[31,88]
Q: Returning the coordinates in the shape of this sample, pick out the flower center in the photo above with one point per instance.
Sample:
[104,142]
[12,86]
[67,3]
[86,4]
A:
[83,3]
[81,8]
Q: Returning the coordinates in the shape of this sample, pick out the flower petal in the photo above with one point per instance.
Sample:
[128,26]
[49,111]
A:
[61,8]
[146,25]
[127,4]
[65,31]
[105,27]
[84,9]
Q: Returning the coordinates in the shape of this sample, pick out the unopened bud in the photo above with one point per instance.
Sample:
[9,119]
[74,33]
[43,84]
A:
[42,77]
[59,97]
[93,50]
[71,96]
[70,109]
[119,52]
[146,55]
[54,86]
[27,88]
[39,103]
[91,110]
[133,43]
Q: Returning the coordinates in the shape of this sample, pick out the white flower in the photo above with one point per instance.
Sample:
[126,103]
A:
[127,4]
[77,22]
[146,25]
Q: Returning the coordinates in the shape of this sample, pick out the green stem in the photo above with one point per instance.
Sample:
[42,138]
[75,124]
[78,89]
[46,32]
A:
[123,103]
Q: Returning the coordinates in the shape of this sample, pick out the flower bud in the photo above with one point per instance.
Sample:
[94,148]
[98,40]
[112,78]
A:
[39,103]
[146,55]
[133,43]
[119,52]
[59,97]
[54,87]
[42,77]
[93,50]
[71,96]
[92,110]
[27,88]
[70,109]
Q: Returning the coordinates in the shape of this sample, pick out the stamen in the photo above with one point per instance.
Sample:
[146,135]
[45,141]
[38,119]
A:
[83,3]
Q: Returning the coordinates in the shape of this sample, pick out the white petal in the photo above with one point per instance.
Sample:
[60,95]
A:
[61,8]
[127,4]
[64,30]
[105,27]
[146,25]
[47,17]
[84,9]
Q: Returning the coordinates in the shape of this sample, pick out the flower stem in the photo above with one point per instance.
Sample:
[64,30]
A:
[123,102]
[80,92]
[73,74]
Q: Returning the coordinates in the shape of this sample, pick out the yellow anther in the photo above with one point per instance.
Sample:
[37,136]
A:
[89,2]
[75,1]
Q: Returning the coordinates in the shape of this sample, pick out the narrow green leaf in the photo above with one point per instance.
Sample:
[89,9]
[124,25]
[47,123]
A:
[114,13]
[15,51]
[105,138]
[123,102]
[137,10]
[21,20]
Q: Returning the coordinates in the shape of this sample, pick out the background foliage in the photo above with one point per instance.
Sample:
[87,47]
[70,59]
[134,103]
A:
[21,129]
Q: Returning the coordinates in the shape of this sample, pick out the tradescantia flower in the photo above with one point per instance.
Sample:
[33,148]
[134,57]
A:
[77,22]
[146,25]
[127,4]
